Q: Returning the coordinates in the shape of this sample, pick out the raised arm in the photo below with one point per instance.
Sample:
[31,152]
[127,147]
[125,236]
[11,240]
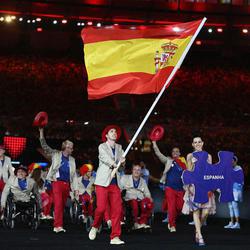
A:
[158,153]
[46,148]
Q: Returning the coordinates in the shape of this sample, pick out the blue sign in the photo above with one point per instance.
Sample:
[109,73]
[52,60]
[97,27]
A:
[210,177]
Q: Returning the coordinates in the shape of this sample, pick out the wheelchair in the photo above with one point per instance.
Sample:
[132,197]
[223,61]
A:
[26,212]
[77,217]
[129,220]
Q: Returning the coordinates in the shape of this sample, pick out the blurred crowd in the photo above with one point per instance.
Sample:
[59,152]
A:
[210,99]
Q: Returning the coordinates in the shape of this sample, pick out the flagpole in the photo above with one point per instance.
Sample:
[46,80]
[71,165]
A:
[167,83]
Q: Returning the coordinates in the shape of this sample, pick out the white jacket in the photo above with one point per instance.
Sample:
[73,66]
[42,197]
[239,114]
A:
[6,170]
[89,189]
[19,195]
[106,161]
[56,157]
[133,193]
[168,161]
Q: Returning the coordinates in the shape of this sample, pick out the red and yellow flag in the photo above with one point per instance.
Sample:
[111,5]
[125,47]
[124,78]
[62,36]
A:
[133,61]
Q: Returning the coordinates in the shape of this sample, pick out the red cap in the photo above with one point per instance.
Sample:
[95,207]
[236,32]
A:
[41,119]
[85,168]
[106,130]
[156,133]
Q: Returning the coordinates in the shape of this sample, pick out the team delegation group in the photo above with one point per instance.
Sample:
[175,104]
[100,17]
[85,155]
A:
[55,184]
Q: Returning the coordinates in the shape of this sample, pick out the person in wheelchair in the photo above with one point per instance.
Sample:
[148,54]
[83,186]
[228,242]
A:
[86,190]
[44,188]
[23,192]
[137,196]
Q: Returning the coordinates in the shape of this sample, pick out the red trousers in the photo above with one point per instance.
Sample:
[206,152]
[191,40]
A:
[175,203]
[87,204]
[60,191]
[146,206]
[2,184]
[111,195]
[107,213]
[47,200]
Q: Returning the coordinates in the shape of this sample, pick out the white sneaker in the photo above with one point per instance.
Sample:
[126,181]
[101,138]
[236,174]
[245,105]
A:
[236,225]
[48,217]
[43,217]
[138,226]
[59,230]
[122,223]
[171,229]
[165,220]
[192,223]
[116,241]
[109,223]
[146,226]
[229,225]
[92,233]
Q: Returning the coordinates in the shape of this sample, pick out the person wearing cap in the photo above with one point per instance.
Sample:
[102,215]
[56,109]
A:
[233,206]
[21,185]
[107,188]
[137,195]
[171,178]
[86,189]
[6,168]
[62,174]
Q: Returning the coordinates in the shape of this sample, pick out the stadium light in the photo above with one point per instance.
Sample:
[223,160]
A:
[245,31]
[8,19]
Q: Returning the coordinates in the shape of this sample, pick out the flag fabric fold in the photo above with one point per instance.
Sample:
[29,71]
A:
[133,61]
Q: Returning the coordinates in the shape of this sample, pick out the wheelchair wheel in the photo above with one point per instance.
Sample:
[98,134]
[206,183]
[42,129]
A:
[89,223]
[12,224]
[75,212]
[9,214]
[34,216]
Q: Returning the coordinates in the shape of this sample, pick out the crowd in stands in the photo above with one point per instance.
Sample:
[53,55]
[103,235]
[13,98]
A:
[208,99]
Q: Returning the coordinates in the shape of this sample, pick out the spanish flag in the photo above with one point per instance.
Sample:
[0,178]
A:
[133,60]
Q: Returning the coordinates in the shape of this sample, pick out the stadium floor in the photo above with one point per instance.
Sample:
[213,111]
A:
[216,237]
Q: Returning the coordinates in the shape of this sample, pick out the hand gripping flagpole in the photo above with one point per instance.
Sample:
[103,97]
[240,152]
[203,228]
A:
[167,83]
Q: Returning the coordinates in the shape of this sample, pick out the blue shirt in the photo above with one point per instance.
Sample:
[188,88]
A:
[22,184]
[136,183]
[173,177]
[114,180]
[85,182]
[64,170]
